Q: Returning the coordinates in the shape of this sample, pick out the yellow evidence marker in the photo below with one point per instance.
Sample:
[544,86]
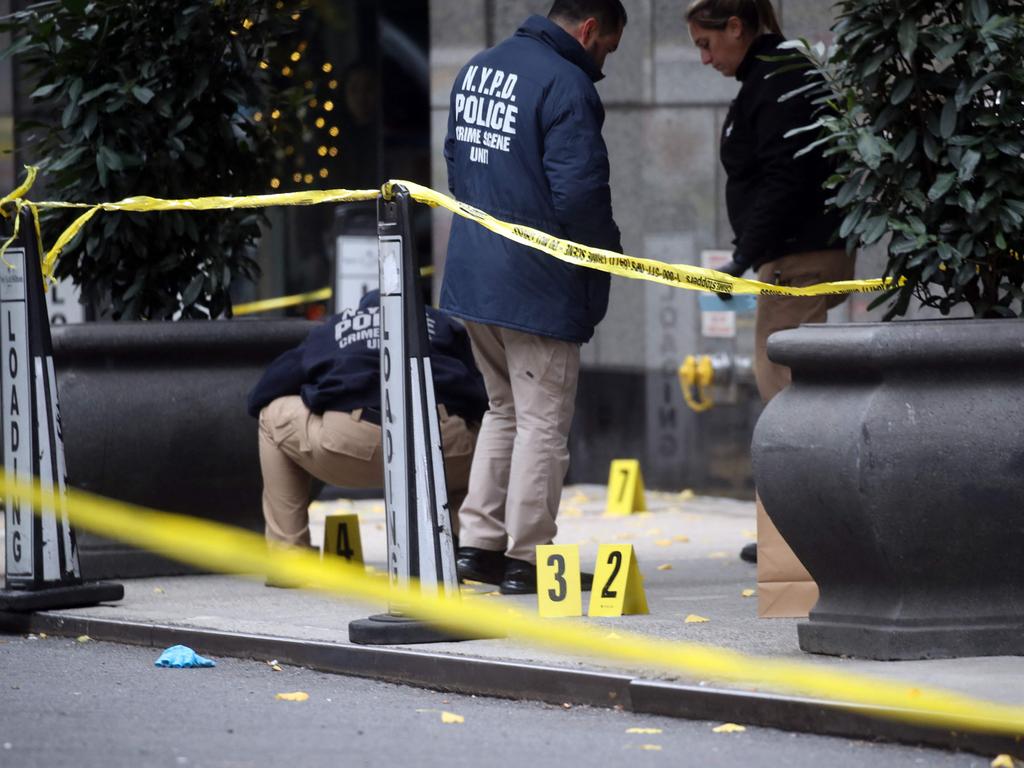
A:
[558,580]
[341,538]
[618,585]
[625,488]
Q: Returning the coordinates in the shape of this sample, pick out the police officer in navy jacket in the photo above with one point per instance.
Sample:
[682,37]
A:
[319,413]
[524,144]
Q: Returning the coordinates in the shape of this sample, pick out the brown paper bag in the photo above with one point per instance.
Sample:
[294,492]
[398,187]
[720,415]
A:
[784,587]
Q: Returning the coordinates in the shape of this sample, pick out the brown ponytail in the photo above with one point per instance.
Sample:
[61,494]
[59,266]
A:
[758,16]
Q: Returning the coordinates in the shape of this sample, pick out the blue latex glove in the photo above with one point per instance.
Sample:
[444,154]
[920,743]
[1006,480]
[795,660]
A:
[180,656]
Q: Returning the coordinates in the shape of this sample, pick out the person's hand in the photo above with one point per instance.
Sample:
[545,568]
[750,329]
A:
[733,269]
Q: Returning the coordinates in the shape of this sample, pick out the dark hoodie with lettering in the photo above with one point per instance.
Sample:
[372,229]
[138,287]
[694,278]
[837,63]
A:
[775,201]
[524,144]
[337,367]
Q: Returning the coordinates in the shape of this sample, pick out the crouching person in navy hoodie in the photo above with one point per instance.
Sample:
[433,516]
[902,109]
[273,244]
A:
[524,144]
[319,414]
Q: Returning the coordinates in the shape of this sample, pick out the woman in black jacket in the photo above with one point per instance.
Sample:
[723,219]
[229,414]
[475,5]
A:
[775,201]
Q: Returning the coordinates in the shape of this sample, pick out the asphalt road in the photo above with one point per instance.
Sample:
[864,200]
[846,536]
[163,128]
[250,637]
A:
[83,704]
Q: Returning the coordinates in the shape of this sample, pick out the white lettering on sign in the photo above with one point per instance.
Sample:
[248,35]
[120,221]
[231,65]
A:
[17,411]
[393,382]
[718,324]
[485,111]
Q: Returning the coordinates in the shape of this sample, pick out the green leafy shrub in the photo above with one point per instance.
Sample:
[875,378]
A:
[168,99]
[926,121]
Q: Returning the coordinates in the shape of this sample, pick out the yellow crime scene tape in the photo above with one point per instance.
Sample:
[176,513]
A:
[229,550]
[676,275]
[266,305]
[298,299]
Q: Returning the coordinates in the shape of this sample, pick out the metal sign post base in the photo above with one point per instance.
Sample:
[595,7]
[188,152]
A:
[55,598]
[388,629]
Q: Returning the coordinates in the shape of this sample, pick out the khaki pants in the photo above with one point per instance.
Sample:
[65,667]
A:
[785,588]
[341,449]
[522,453]
[777,313]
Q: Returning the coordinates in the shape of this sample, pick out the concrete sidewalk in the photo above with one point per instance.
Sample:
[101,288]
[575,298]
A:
[687,549]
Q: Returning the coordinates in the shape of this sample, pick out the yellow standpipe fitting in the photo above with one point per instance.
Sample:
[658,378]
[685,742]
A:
[697,374]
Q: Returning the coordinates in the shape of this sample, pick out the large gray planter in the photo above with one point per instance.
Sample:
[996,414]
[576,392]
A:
[154,414]
[894,467]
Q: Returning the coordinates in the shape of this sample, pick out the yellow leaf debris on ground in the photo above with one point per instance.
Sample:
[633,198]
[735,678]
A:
[448,718]
[749,592]
[274,665]
[686,495]
[43,635]
[158,591]
[579,498]
[648,731]
[718,555]
[571,512]
[625,535]
[665,567]
[681,538]
[83,638]
[294,696]
[729,728]
[653,532]
[664,542]
[650,747]
[752,535]
[1003,761]
[695,619]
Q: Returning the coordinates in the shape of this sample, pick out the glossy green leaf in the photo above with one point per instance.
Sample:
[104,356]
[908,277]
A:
[947,123]
[907,35]
[143,94]
[941,186]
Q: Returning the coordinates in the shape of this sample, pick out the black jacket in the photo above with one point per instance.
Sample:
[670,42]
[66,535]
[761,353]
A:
[337,367]
[776,202]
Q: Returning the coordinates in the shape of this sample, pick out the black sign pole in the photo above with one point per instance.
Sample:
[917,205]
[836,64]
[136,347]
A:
[41,562]
[420,542]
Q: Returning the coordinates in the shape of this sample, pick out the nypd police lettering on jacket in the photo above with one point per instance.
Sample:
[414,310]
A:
[358,325]
[337,367]
[485,111]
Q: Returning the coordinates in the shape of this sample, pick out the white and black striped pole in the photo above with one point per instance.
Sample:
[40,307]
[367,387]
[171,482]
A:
[418,521]
[41,558]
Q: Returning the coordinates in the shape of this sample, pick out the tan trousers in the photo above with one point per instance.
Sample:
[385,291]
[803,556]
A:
[341,449]
[785,588]
[522,453]
[777,313]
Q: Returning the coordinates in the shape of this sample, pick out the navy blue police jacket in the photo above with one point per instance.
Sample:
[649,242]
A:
[337,366]
[524,144]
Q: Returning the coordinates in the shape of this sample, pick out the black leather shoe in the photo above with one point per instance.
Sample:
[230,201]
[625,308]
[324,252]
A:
[520,578]
[749,553]
[477,564]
